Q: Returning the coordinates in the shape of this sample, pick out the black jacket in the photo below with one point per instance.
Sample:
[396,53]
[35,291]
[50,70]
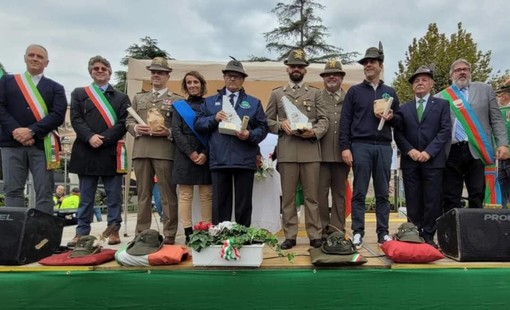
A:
[87,121]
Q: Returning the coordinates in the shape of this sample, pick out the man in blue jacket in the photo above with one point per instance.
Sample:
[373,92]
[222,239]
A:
[366,148]
[31,109]
[232,158]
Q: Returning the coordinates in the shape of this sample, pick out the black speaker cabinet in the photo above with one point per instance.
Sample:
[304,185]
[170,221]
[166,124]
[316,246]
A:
[475,234]
[27,235]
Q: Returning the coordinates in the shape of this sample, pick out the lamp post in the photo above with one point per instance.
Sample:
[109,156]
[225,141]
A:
[66,143]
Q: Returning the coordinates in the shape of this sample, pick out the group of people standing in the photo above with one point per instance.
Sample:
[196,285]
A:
[177,140]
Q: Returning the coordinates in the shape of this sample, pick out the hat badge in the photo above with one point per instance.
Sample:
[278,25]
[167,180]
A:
[299,54]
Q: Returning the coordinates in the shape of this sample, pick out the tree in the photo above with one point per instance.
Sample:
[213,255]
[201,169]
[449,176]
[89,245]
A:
[2,69]
[499,78]
[299,27]
[148,50]
[435,49]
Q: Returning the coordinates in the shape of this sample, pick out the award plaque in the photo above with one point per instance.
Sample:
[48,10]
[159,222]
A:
[233,123]
[297,120]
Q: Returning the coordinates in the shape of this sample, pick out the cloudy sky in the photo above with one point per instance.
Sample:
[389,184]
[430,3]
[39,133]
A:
[74,31]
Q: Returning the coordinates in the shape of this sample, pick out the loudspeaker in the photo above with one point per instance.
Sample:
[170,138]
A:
[475,234]
[27,235]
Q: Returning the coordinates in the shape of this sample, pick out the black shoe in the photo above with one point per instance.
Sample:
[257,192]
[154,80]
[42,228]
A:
[288,244]
[187,232]
[431,242]
[316,243]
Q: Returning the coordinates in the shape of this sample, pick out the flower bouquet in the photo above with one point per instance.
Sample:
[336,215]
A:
[227,239]
[265,168]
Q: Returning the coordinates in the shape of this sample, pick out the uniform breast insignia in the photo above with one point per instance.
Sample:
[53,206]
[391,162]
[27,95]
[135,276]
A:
[307,105]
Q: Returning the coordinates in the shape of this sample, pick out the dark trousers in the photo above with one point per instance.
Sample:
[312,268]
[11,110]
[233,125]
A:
[462,167]
[423,188]
[504,180]
[222,182]
[88,187]
[371,160]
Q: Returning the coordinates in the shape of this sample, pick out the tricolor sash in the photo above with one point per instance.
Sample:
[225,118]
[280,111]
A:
[477,139]
[188,115]
[110,117]
[40,110]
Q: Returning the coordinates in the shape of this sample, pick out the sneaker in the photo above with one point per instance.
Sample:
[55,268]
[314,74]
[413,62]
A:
[357,241]
[384,239]
[72,243]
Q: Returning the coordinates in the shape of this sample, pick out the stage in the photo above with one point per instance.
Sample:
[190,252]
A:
[277,284]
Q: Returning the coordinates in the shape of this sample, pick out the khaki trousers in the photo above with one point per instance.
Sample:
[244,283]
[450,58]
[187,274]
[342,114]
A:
[145,170]
[185,203]
[308,173]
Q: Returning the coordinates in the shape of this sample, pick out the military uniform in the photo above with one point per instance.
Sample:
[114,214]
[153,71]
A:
[333,172]
[298,158]
[154,156]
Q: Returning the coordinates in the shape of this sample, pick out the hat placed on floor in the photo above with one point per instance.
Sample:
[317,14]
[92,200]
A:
[85,246]
[408,232]
[338,244]
[147,242]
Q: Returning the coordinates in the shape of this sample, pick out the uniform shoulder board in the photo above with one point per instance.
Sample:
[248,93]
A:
[277,87]
[143,92]
[312,86]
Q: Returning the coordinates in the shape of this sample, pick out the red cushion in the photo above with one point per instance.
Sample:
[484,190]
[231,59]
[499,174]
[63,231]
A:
[408,252]
[63,259]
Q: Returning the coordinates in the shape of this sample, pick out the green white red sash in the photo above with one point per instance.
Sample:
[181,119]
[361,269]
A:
[38,107]
[110,117]
[477,139]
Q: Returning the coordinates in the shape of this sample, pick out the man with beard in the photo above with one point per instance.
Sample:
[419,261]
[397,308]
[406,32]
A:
[475,120]
[333,172]
[298,152]
[366,148]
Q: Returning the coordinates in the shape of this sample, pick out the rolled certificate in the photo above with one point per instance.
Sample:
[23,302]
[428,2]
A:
[244,124]
[135,115]
[385,112]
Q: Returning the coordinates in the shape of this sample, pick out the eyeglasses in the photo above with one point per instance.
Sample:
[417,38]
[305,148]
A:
[459,70]
[234,76]
[101,69]
[158,72]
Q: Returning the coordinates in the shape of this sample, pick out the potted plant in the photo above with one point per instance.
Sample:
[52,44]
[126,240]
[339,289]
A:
[231,244]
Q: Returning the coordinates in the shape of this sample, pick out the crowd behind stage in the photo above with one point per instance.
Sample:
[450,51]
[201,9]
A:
[447,140]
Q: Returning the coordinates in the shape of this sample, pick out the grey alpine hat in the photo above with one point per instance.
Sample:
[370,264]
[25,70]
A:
[296,57]
[333,66]
[408,232]
[373,53]
[421,70]
[147,242]
[235,66]
[85,246]
[159,64]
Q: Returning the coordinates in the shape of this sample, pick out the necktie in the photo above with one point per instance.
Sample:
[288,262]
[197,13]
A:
[232,96]
[155,95]
[419,110]
[295,87]
[460,133]
[465,93]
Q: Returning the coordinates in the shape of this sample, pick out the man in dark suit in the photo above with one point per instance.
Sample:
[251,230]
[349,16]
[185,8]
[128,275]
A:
[98,116]
[31,108]
[422,137]
[471,146]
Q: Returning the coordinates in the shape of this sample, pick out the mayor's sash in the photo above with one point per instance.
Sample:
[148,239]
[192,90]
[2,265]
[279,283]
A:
[477,139]
[188,115]
[110,117]
[467,117]
[40,110]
